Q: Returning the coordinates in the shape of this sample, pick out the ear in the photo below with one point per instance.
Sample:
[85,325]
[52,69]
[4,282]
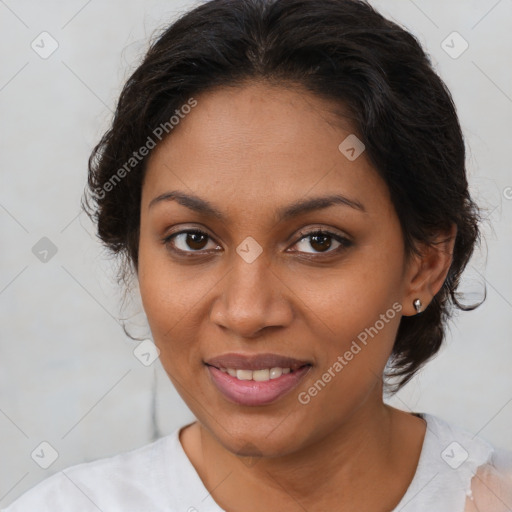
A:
[427,271]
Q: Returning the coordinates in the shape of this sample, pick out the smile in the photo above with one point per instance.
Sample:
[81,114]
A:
[256,387]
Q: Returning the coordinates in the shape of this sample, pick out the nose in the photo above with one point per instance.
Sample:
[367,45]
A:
[252,297]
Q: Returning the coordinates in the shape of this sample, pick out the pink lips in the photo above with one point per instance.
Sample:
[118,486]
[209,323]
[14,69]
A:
[250,392]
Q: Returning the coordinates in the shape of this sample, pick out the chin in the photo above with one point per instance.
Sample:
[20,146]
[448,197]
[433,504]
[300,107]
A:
[256,441]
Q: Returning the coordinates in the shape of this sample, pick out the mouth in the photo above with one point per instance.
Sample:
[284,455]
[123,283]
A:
[255,362]
[256,379]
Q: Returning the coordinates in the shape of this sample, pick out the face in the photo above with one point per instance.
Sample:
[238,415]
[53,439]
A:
[226,271]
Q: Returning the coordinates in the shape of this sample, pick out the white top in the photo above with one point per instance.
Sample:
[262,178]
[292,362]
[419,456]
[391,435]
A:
[159,477]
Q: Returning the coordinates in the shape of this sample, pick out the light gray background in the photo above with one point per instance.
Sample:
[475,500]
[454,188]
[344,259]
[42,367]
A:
[68,375]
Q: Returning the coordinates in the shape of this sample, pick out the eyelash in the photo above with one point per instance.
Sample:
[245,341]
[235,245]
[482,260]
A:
[343,241]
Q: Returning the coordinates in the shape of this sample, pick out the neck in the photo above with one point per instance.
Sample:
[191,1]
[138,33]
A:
[362,453]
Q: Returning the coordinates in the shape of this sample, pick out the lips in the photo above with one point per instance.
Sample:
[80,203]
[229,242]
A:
[255,393]
[256,361]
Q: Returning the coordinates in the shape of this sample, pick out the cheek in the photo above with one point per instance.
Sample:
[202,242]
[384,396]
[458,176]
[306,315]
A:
[166,297]
[352,297]
[166,290]
[173,297]
[362,317]
[358,308]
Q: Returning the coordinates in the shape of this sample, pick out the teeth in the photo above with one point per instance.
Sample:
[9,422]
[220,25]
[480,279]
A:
[256,375]
[244,374]
[274,373]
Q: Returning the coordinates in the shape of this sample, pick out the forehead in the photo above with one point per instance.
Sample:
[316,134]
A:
[259,145]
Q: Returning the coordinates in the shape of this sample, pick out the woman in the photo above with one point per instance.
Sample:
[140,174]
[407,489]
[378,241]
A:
[286,181]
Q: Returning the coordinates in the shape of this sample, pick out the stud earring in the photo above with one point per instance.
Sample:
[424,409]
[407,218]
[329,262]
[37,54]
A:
[417,305]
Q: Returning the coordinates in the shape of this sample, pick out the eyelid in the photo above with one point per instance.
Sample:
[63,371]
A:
[324,230]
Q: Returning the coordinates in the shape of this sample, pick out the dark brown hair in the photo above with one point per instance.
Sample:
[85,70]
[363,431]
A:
[342,50]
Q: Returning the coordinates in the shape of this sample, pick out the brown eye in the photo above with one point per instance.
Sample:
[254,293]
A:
[195,240]
[187,241]
[321,242]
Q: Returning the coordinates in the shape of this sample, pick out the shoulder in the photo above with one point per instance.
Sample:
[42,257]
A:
[455,466]
[128,481]
[491,485]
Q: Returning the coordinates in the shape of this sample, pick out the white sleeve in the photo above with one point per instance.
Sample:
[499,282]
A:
[491,486]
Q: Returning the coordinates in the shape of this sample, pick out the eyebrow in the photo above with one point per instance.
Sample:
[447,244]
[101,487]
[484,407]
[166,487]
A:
[292,210]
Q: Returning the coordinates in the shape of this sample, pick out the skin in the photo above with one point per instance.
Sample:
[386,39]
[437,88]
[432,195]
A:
[249,151]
